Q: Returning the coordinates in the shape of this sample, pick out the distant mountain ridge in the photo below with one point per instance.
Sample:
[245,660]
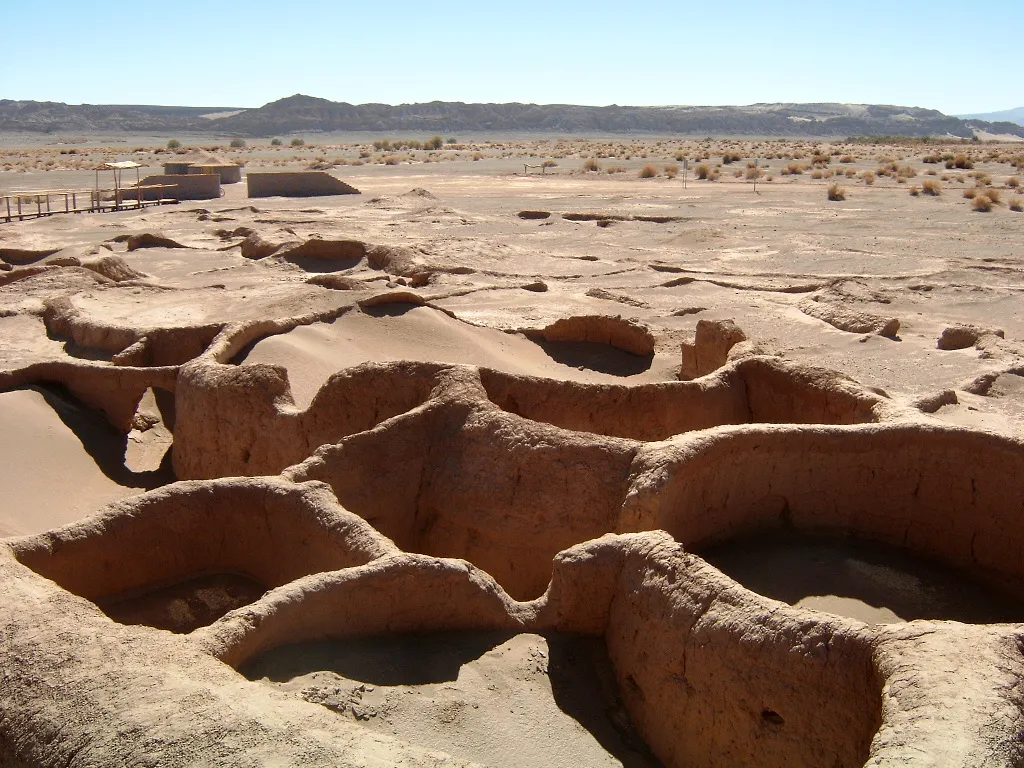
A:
[1015,116]
[308,114]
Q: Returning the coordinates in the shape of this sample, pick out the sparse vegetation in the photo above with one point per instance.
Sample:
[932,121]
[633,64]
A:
[276,142]
[238,143]
[914,190]
[1016,204]
[649,171]
[591,165]
[671,170]
[982,203]
[173,144]
[869,177]
[297,142]
[433,143]
[931,187]
[836,193]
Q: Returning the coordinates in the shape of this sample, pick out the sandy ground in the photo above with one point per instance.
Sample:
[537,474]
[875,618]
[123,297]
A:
[519,701]
[714,251]
[872,583]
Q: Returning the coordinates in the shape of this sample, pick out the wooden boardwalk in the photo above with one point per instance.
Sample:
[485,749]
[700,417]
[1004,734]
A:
[33,205]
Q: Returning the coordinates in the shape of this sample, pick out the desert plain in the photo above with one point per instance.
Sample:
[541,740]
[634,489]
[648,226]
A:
[533,452]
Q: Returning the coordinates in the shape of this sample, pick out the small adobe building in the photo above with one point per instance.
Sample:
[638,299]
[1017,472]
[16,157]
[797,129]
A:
[181,165]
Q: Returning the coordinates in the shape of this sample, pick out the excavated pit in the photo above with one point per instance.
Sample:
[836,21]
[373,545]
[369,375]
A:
[514,700]
[870,582]
[187,554]
[755,390]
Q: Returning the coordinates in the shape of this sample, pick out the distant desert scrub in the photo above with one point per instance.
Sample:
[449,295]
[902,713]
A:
[835,192]
[994,195]
[702,171]
[297,142]
[914,190]
[1016,204]
[615,169]
[869,177]
[982,203]
[960,161]
[970,193]
[931,187]
[794,169]
[671,170]
[238,143]
[1013,182]
[649,171]
[276,142]
[591,165]
[731,157]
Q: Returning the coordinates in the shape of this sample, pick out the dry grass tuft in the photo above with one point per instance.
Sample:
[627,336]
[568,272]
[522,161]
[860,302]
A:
[869,177]
[982,203]
[914,190]
[1016,204]
[671,170]
[1013,182]
[649,171]
[835,192]
[931,187]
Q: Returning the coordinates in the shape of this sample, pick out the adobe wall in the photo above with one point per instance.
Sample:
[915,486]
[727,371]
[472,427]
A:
[229,174]
[190,186]
[296,184]
[944,492]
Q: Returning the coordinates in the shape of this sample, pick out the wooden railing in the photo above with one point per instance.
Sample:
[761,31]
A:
[35,204]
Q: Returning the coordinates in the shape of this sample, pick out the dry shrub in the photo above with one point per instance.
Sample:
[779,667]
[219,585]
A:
[703,171]
[731,157]
[994,195]
[931,187]
[649,171]
[914,190]
[970,193]
[835,192]
[753,173]
[817,175]
[478,156]
[906,171]
[850,173]
[959,161]
[671,170]
[848,159]
[794,169]
[1013,182]
[390,160]
[982,203]
[591,165]
[1016,204]
[931,159]
[869,177]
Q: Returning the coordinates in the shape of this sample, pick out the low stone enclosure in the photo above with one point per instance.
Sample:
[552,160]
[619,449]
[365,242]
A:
[296,184]
[418,497]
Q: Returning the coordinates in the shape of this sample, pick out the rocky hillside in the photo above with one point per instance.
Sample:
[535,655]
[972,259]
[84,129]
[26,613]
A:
[307,114]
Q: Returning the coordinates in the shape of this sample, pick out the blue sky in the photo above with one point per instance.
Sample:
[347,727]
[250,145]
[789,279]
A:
[957,57]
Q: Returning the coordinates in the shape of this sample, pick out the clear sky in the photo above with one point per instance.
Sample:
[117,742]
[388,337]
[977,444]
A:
[956,57]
